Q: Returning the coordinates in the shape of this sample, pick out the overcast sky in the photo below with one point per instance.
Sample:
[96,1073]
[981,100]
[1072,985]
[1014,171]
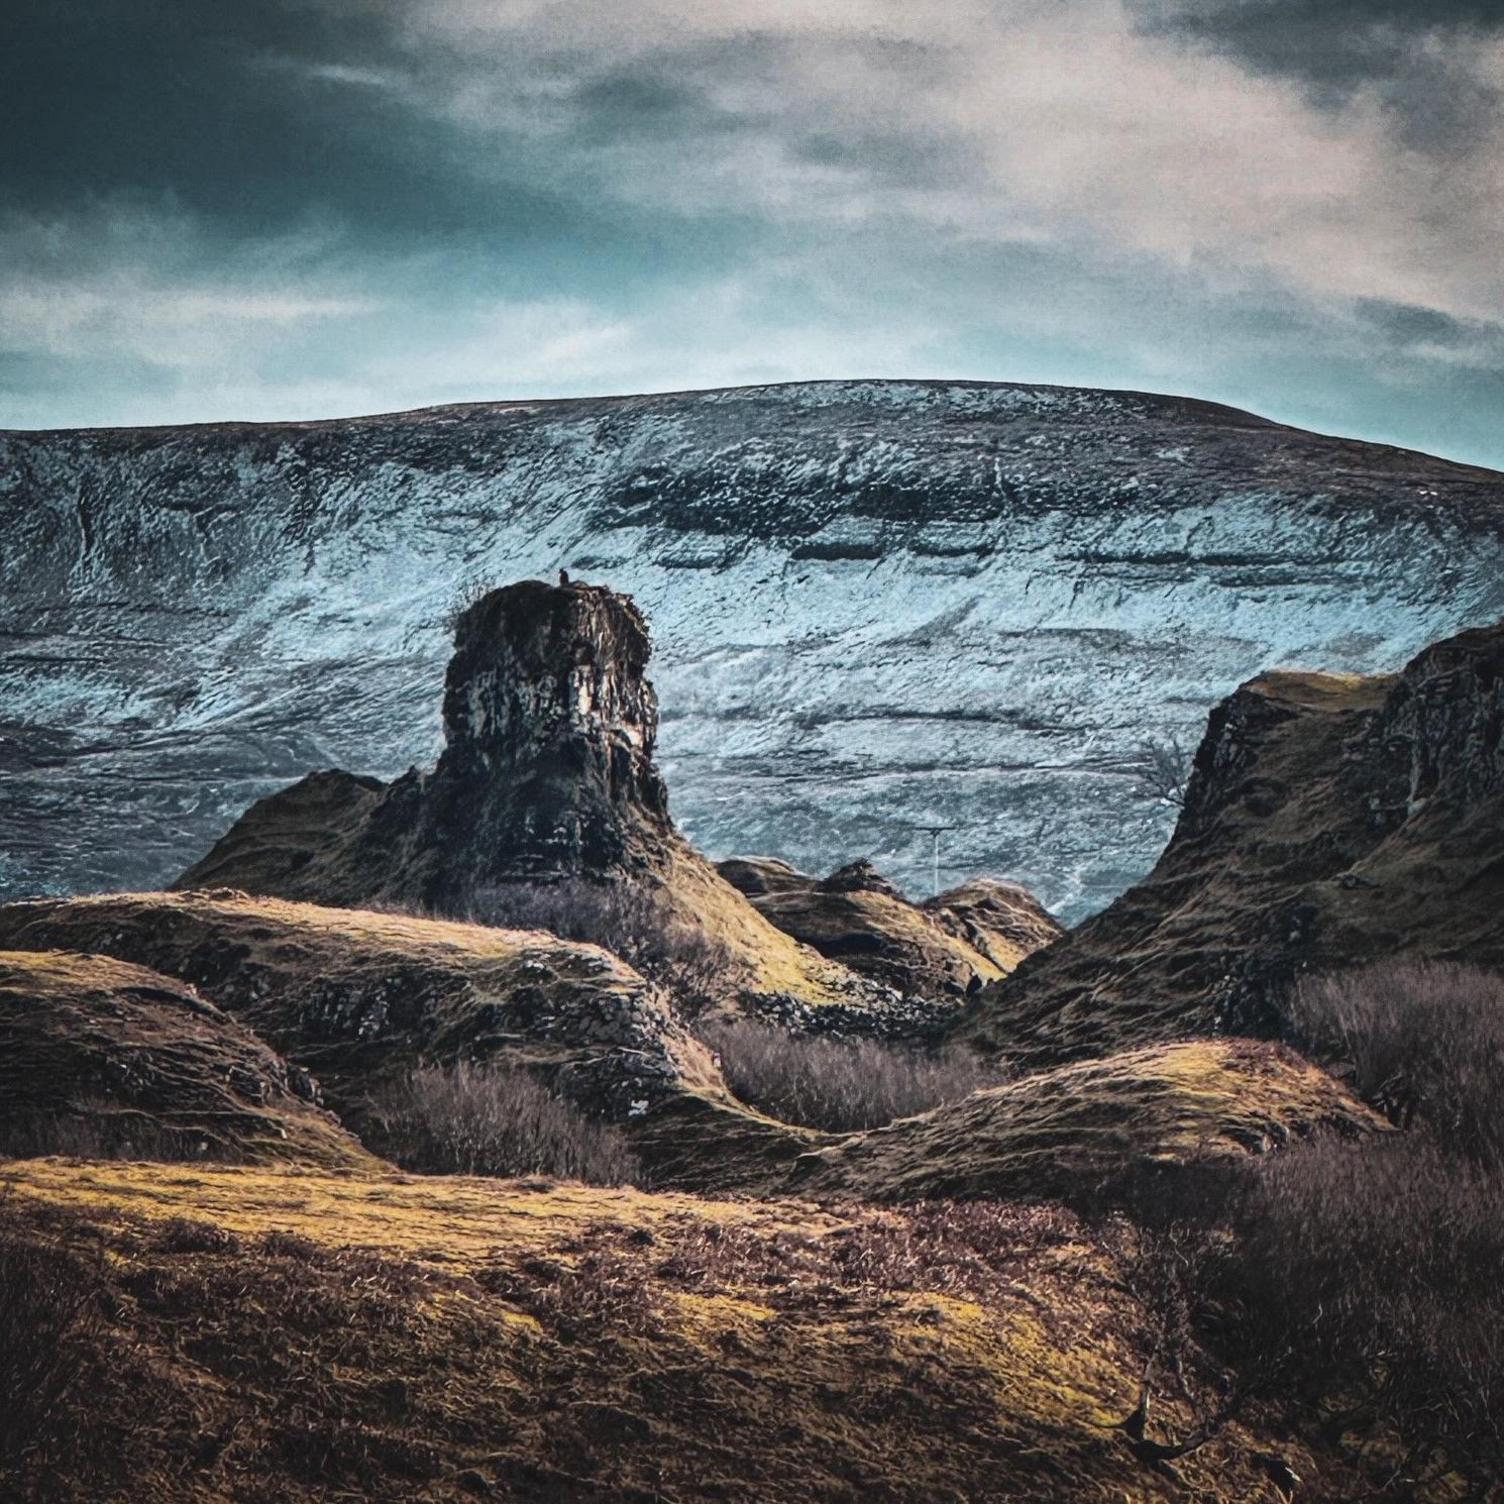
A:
[303,208]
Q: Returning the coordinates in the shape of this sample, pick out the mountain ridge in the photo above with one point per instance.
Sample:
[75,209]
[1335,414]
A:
[880,606]
[502,405]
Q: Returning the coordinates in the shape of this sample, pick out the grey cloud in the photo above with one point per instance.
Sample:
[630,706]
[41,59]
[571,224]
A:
[304,207]
[1416,55]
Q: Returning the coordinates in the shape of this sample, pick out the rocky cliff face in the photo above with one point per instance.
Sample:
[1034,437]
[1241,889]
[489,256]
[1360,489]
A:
[547,771]
[545,810]
[878,607]
[549,717]
[1331,820]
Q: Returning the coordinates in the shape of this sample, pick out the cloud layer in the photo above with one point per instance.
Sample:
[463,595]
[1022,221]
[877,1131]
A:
[296,207]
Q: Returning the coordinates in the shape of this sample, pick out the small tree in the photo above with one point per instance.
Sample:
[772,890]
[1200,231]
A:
[1162,769]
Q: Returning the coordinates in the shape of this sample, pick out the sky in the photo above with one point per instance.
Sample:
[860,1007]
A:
[313,208]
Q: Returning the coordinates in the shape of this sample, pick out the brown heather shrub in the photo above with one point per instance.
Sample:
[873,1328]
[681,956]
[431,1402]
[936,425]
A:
[629,920]
[1423,1041]
[1368,1275]
[1357,1281]
[490,1120]
[49,1317]
[840,1085]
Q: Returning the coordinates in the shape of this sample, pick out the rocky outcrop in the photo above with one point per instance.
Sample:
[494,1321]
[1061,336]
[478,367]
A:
[877,606]
[101,1059]
[1004,921]
[1083,1129]
[362,997]
[1331,820]
[757,875]
[547,772]
[546,782]
[939,952]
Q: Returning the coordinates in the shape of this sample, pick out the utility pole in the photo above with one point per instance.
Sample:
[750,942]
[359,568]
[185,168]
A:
[935,832]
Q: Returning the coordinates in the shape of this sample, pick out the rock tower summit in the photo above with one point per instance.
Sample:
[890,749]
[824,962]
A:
[544,797]
[547,769]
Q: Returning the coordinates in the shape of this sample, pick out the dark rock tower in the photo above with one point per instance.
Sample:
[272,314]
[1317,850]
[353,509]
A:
[546,786]
[547,770]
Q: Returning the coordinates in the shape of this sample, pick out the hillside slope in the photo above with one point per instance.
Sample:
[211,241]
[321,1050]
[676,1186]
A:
[878,606]
[98,1057]
[943,949]
[1331,821]
[1084,1129]
[363,997]
[300,1337]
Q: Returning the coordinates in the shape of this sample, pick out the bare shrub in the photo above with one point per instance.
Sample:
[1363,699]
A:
[99,1130]
[1162,769]
[1353,1280]
[49,1316]
[490,1120]
[629,919]
[840,1085]
[1423,1041]
[1369,1275]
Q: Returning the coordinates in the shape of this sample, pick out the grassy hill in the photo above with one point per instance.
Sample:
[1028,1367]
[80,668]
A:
[287,1334]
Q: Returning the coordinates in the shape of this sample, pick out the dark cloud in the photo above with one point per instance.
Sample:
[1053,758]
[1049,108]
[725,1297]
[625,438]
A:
[256,116]
[1415,55]
[304,207]
[1412,325]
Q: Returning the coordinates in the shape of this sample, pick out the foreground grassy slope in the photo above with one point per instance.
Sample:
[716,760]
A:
[298,1336]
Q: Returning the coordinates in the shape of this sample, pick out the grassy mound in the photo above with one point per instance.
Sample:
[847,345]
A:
[296,1336]
[941,950]
[362,998]
[100,1058]
[1077,1129]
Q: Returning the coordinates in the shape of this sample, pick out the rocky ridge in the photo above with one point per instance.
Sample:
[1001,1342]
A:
[940,951]
[360,998]
[1331,820]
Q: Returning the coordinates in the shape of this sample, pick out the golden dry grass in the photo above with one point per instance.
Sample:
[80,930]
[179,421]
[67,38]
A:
[763,958]
[290,1335]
